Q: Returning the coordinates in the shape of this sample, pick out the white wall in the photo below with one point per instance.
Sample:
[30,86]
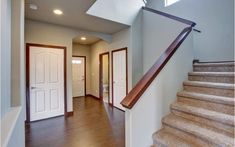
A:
[12,52]
[120,40]
[137,48]
[43,33]
[5,56]
[17,54]
[96,49]
[13,132]
[17,139]
[158,33]
[0,64]
[121,11]
[215,18]
[145,117]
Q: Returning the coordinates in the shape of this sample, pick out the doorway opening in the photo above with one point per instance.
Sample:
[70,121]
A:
[119,76]
[104,78]
[78,76]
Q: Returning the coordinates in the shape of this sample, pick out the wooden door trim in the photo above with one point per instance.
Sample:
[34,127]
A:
[84,71]
[113,51]
[28,45]
[100,75]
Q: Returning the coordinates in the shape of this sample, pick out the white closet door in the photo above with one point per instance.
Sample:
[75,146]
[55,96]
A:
[78,67]
[119,77]
[46,82]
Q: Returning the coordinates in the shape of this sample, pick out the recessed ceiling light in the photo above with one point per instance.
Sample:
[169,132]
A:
[33,6]
[58,12]
[83,38]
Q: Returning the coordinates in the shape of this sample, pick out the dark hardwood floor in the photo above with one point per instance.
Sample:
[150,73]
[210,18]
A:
[94,124]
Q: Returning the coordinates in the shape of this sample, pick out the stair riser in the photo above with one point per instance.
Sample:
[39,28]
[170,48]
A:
[227,109]
[209,140]
[214,79]
[195,140]
[210,91]
[213,125]
[158,144]
[213,68]
[166,139]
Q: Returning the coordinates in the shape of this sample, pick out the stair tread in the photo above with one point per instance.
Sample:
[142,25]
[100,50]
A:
[168,139]
[209,84]
[215,64]
[198,130]
[221,74]
[207,97]
[205,113]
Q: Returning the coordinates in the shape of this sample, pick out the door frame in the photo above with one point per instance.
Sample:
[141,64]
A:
[113,51]
[100,76]
[84,71]
[28,45]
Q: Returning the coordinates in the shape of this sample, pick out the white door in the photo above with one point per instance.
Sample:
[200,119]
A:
[46,82]
[78,67]
[119,77]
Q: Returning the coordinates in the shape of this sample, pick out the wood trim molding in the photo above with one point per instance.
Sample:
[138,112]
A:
[90,95]
[100,75]
[198,61]
[195,61]
[28,45]
[85,72]
[118,108]
[69,114]
[117,50]
[134,95]
[191,23]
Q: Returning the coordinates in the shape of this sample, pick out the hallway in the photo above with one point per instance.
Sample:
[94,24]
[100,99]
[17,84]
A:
[94,124]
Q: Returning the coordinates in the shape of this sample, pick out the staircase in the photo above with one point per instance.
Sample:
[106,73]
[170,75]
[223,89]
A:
[203,115]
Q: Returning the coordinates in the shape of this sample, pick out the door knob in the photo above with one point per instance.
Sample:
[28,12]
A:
[33,87]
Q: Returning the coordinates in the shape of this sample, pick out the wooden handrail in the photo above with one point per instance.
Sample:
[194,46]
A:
[134,95]
[188,22]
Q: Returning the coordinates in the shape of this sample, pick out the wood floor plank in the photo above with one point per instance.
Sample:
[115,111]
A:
[94,124]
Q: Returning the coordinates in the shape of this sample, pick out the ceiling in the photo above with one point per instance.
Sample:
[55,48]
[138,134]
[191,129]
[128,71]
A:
[74,15]
[89,40]
[122,11]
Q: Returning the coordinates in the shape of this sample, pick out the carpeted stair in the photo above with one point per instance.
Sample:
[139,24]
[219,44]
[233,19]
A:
[203,115]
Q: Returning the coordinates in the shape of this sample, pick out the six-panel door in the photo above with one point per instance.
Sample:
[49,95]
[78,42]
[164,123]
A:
[46,82]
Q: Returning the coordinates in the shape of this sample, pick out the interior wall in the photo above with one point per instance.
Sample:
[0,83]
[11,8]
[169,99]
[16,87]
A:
[1,60]
[44,33]
[120,40]
[5,56]
[215,18]
[12,77]
[154,104]
[17,54]
[96,49]
[84,50]
[158,33]
[137,46]
[120,11]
